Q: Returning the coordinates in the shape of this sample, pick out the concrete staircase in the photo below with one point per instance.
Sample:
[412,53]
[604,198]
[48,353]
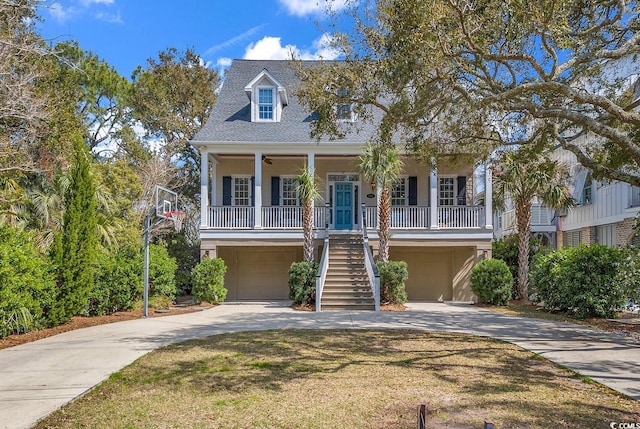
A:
[347,284]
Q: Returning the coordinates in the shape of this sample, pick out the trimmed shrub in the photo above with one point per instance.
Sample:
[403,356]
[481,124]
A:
[579,281]
[506,249]
[26,283]
[302,282]
[207,280]
[492,280]
[628,276]
[393,274]
[187,256]
[118,281]
[162,272]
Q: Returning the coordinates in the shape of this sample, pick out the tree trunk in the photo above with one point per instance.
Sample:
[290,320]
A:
[385,225]
[307,224]
[523,219]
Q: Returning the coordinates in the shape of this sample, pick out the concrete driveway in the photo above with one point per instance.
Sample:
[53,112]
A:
[39,377]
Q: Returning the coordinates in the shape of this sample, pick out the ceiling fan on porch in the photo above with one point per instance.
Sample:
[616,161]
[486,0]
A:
[267,160]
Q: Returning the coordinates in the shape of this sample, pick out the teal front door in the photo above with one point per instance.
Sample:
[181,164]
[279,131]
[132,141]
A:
[344,205]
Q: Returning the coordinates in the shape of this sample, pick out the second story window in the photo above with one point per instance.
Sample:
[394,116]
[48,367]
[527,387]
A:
[265,104]
[399,193]
[344,110]
[288,192]
[241,191]
[446,191]
[586,197]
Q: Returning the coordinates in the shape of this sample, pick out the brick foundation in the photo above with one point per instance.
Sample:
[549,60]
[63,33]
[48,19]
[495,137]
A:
[625,231]
[588,235]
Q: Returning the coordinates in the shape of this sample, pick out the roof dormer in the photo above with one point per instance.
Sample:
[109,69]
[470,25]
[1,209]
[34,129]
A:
[267,96]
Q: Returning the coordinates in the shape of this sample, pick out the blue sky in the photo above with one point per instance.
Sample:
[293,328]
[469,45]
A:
[127,32]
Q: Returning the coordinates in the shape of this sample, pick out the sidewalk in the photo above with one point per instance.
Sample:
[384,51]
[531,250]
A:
[39,377]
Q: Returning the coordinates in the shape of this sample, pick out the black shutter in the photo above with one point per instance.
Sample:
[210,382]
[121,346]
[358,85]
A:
[275,190]
[253,191]
[462,190]
[226,190]
[413,191]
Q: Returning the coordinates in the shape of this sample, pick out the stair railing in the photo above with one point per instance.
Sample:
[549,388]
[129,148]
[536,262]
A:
[369,263]
[321,275]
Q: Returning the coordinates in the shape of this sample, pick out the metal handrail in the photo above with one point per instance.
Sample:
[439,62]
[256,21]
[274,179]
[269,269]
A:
[369,263]
[324,263]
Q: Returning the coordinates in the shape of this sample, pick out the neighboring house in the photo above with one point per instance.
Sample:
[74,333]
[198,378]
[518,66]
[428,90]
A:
[254,144]
[605,211]
[543,222]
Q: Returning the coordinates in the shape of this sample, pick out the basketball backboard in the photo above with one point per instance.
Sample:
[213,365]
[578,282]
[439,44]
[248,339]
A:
[166,201]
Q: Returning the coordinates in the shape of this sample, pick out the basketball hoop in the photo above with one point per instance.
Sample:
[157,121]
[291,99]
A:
[177,217]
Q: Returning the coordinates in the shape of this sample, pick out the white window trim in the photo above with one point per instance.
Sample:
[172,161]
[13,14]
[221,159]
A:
[256,103]
[406,191]
[287,176]
[233,189]
[455,191]
[352,115]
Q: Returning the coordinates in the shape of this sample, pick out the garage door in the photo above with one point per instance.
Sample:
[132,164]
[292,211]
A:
[430,272]
[258,273]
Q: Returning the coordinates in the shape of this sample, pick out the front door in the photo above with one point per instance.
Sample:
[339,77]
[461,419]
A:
[344,205]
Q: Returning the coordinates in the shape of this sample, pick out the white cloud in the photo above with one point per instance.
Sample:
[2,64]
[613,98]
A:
[308,7]
[223,62]
[112,18]
[61,13]
[234,40]
[87,3]
[270,48]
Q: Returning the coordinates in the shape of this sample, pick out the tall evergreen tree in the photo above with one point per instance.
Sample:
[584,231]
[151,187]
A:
[75,249]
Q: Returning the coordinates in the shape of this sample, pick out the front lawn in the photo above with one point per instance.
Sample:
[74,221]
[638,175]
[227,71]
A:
[343,379]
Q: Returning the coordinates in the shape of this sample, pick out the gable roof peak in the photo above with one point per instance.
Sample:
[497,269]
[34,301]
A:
[265,73]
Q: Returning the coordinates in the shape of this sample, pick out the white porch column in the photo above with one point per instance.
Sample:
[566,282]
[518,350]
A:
[488,196]
[204,188]
[433,194]
[311,163]
[213,169]
[257,197]
[378,200]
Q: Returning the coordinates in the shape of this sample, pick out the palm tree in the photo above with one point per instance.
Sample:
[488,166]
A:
[381,164]
[521,176]
[307,190]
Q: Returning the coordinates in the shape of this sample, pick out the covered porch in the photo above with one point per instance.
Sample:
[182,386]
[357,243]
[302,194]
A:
[255,192]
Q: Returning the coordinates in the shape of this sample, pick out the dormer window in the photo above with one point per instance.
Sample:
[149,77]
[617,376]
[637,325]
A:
[267,97]
[265,104]
[344,111]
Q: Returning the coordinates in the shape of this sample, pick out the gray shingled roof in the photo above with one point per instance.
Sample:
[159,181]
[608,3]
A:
[230,119]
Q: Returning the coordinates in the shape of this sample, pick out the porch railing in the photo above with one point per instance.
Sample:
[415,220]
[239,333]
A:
[231,217]
[282,217]
[461,217]
[320,217]
[408,217]
[411,217]
[540,216]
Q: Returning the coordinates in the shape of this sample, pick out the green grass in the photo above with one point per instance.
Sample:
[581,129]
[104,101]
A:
[343,379]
